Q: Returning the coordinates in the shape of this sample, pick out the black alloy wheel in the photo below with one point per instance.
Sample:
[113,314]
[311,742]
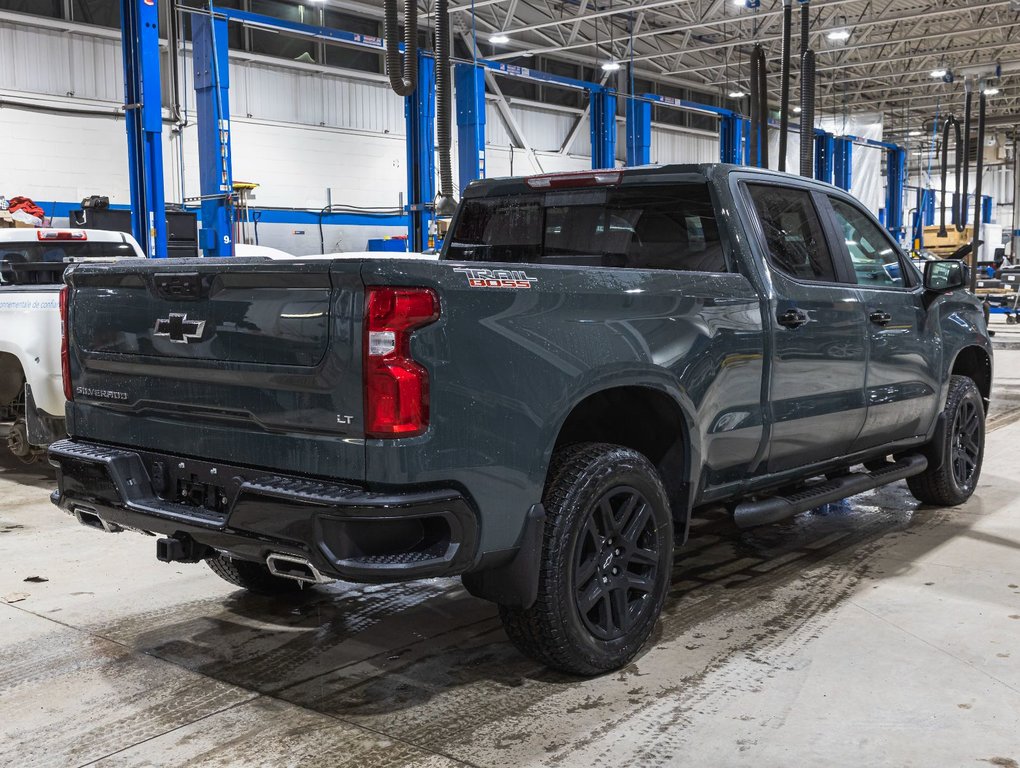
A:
[615,563]
[966,436]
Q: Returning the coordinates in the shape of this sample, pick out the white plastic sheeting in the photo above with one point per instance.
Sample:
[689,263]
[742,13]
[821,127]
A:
[867,183]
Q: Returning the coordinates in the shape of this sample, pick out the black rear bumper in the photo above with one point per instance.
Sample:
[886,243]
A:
[345,531]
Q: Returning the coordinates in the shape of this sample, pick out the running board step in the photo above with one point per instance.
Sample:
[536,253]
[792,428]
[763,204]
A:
[776,508]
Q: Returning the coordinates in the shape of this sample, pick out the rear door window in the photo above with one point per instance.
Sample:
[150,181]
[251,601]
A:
[671,226]
[793,232]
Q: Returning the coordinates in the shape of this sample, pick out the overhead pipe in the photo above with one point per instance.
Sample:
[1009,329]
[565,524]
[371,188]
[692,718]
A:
[807,114]
[403,76]
[979,168]
[754,140]
[759,83]
[951,122]
[446,205]
[784,83]
[763,87]
[966,151]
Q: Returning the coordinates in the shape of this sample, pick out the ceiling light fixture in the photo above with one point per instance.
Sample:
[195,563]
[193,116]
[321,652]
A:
[840,35]
[797,110]
[611,66]
[939,73]
[737,94]
[499,39]
[914,133]
[991,91]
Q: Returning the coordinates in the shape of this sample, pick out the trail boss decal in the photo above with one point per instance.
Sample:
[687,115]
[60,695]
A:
[497,278]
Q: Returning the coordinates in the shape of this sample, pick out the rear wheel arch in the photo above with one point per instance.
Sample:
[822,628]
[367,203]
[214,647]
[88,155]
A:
[12,378]
[646,419]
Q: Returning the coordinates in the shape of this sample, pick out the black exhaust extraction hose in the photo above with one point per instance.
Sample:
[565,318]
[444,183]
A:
[784,83]
[755,137]
[805,25]
[951,122]
[446,205]
[979,168]
[763,107]
[807,114]
[403,75]
[968,101]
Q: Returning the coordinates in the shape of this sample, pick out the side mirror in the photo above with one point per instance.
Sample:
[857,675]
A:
[944,275]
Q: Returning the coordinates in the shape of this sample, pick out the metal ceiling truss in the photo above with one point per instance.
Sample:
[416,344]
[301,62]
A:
[886,63]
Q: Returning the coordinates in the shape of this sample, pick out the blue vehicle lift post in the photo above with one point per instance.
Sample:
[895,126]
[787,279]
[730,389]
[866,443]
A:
[842,162]
[603,127]
[212,102]
[639,132]
[469,92]
[825,150]
[143,110]
[896,169]
[420,115]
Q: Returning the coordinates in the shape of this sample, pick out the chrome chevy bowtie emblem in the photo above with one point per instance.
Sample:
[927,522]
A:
[179,329]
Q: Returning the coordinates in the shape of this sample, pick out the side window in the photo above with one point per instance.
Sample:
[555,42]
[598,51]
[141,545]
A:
[793,232]
[873,256]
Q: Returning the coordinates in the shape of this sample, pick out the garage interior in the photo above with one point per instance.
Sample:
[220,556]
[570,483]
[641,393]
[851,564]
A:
[873,630]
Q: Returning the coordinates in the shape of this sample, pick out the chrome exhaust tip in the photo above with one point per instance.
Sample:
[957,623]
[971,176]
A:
[296,568]
[88,517]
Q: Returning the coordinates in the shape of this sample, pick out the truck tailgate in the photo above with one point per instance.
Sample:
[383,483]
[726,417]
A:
[260,362]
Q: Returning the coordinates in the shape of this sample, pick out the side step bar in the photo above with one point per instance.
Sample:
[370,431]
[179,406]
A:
[776,508]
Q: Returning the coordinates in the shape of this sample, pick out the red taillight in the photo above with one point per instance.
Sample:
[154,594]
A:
[574,179]
[65,350]
[396,387]
[56,234]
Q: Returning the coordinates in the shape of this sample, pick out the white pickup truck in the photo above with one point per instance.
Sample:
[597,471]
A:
[32,263]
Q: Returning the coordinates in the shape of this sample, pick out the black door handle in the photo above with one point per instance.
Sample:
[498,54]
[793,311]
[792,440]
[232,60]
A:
[792,318]
[878,317]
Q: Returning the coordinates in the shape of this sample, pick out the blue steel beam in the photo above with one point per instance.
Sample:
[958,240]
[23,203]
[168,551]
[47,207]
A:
[143,110]
[639,132]
[602,117]
[420,116]
[730,128]
[469,91]
[212,102]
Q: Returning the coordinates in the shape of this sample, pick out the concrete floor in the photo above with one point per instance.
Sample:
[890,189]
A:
[872,633]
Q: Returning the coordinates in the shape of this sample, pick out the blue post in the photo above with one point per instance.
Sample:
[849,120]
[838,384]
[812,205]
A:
[639,132]
[825,148]
[730,136]
[745,134]
[212,103]
[843,162]
[603,127]
[420,117]
[929,207]
[143,110]
[986,209]
[896,167]
[469,89]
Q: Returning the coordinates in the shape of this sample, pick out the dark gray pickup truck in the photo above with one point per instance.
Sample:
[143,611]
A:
[541,411]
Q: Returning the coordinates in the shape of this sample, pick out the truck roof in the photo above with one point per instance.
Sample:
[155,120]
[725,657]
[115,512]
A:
[679,172]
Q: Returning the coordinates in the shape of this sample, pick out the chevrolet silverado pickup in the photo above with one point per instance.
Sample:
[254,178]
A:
[32,263]
[593,358]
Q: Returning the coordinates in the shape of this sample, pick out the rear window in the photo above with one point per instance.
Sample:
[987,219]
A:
[43,263]
[659,227]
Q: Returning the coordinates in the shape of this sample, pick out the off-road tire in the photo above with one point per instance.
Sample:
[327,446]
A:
[255,577]
[583,479]
[946,486]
